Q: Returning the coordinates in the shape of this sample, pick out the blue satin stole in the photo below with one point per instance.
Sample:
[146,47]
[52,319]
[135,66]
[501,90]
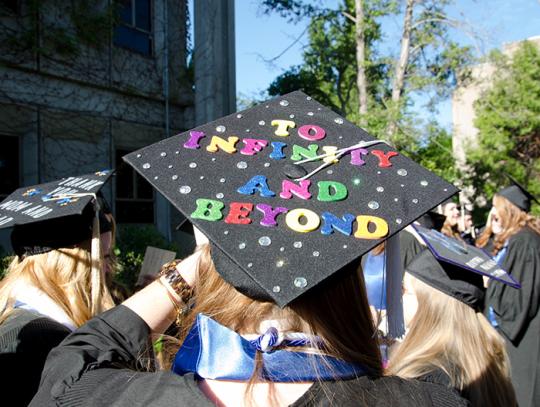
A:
[375,278]
[213,351]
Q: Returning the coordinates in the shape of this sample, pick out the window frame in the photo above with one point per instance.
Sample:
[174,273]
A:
[133,26]
[119,151]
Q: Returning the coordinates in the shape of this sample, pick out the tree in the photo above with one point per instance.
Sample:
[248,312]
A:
[345,69]
[508,121]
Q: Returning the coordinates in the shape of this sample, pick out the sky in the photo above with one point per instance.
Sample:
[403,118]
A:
[266,45]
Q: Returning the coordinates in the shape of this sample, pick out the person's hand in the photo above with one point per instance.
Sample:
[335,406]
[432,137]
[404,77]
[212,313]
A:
[188,268]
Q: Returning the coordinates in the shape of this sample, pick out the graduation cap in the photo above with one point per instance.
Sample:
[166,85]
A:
[449,278]
[454,254]
[432,220]
[55,214]
[518,195]
[288,192]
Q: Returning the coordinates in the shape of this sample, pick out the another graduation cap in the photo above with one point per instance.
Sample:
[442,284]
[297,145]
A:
[518,195]
[432,220]
[288,192]
[455,254]
[449,278]
[55,214]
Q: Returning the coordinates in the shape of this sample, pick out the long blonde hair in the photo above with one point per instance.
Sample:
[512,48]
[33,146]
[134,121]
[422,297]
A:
[513,219]
[338,312]
[65,275]
[449,335]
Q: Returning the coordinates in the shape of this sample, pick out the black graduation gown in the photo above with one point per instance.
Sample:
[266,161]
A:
[517,314]
[26,339]
[90,368]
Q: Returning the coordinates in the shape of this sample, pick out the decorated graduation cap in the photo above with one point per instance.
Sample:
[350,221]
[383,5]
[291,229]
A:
[454,254]
[288,192]
[518,195]
[56,214]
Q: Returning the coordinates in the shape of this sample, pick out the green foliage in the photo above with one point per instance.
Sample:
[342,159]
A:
[435,153]
[90,26]
[508,120]
[131,244]
[329,71]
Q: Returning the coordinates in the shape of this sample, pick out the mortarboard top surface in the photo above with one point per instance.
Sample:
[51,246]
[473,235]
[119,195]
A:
[34,204]
[463,255]
[518,195]
[274,237]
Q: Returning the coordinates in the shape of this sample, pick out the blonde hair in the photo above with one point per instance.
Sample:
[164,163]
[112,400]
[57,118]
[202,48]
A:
[338,313]
[513,219]
[65,275]
[449,335]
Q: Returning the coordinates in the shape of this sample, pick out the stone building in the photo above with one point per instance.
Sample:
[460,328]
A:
[83,83]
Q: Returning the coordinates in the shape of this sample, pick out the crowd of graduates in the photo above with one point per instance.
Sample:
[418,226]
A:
[436,312]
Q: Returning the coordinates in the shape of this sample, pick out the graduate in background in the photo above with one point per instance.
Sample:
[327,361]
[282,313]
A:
[450,227]
[56,282]
[515,311]
[450,341]
[467,229]
[273,311]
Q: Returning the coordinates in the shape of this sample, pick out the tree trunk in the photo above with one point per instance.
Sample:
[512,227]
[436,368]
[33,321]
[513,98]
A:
[401,67]
[360,62]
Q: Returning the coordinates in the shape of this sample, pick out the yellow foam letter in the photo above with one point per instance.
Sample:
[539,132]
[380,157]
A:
[293,220]
[362,230]
[282,126]
[227,146]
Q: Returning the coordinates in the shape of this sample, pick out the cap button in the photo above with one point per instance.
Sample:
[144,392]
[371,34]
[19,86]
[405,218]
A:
[294,171]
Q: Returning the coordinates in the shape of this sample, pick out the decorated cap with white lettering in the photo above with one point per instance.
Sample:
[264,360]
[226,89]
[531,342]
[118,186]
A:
[288,192]
[54,214]
[458,254]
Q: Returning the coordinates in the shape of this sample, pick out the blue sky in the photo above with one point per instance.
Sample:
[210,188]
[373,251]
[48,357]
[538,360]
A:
[260,38]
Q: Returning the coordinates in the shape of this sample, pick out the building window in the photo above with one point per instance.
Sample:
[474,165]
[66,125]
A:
[9,165]
[134,28]
[134,195]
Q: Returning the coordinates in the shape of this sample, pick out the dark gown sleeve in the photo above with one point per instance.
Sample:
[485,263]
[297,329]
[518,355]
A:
[25,341]
[101,363]
[515,307]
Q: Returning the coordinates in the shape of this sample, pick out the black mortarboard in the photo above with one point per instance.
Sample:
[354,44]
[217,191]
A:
[453,253]
[288,192]
[53,215]
[449,278]
[432,220]
[518,195]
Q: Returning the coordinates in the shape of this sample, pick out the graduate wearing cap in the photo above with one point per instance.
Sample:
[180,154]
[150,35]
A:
[273,309]
[55,282]
[515,311]
[449,341]
[452,215]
